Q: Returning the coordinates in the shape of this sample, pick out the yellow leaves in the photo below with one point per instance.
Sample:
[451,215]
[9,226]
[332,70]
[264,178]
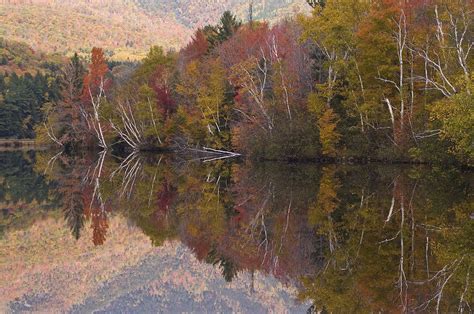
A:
[203,208]
[189,81]
[146,92]
[211,95]
[326,201]
[327,121]
[335,25]
[328,135]
[242,72]
[315,104]
[455,115]
[217,80]
[204,85]
[156,57]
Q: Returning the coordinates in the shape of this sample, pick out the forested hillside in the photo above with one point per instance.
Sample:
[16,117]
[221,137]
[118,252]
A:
[69,26]
[124,28]
[21,101]
[19,58]
[195,14]
[28,80]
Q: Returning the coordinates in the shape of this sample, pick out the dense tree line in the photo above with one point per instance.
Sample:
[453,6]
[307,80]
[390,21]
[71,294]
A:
[21,101]
[386,80]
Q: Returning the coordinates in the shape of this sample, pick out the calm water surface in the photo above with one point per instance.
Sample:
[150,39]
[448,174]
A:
[99,233]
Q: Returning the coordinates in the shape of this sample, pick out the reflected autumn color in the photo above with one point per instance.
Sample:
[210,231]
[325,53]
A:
[78,181]
[397,240]
[350,238]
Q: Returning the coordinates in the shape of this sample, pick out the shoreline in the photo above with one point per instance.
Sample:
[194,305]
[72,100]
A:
[10,145]
[20,144]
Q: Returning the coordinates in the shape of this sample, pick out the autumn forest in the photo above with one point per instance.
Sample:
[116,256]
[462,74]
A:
[236,156]
[354,80]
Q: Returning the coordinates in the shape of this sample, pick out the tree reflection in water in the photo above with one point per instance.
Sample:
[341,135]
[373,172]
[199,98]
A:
[351,238]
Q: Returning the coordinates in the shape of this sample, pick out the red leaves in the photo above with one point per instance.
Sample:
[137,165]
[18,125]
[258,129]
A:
[96,76]
[166,195]
[99,226]
[160,83]
[246,43]
[196,49]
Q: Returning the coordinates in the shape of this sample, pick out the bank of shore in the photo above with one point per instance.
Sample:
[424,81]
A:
[20,144]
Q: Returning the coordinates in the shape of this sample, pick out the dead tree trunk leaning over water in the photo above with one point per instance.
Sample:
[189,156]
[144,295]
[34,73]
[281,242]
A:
[130,131]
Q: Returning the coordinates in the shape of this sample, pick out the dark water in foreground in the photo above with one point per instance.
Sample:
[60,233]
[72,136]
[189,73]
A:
[148,234]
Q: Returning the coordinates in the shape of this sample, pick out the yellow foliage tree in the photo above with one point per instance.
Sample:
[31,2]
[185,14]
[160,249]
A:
[327,121]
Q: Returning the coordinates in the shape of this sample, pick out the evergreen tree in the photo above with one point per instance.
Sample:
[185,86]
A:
[74,213]
[64,120]
[229,24]
[21,100]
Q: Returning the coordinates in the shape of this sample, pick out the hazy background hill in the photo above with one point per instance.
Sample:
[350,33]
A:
[126,28]
[20,58]
[193,14]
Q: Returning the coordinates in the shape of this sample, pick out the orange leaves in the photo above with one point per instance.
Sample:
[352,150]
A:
[98,66]
[99,227]
[196,49]
[96,76]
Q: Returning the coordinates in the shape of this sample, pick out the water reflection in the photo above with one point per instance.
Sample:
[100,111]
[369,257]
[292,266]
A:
[348,238]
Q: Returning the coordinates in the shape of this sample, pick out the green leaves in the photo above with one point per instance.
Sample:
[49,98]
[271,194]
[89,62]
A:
[456,118]
[21,99]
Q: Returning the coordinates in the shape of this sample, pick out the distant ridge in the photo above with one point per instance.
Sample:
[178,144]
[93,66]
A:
[20,58]
[126,28]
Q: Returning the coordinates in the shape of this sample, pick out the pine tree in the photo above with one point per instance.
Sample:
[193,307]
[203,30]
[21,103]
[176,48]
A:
[64,122]
[229,24]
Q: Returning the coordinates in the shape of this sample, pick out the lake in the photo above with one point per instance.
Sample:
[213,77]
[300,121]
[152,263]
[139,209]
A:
[167,233]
